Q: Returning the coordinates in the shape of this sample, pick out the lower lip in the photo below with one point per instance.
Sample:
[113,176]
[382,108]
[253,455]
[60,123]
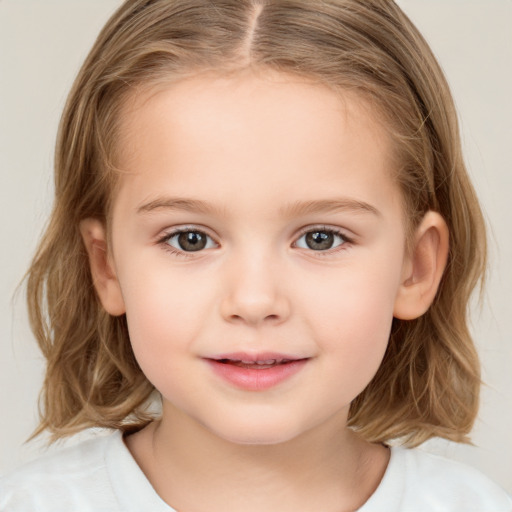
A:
[252,379]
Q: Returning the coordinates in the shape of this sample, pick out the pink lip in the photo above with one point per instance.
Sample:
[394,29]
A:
[256,379]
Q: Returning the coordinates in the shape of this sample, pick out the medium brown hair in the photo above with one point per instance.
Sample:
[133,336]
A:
[428,383]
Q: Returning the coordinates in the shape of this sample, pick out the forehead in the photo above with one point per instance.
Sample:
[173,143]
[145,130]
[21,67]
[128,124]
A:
[212,135]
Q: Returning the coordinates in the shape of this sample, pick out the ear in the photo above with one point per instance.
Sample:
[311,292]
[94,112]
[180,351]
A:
[423,268]
[103,276]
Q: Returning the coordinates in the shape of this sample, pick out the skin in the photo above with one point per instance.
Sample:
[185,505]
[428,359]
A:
[251,146]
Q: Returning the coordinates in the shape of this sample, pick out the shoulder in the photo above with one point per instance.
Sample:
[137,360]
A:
[433,472]
[429,482]
[74,478]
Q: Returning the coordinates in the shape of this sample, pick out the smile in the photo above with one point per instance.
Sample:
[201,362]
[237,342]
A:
[256,373]
[258,365]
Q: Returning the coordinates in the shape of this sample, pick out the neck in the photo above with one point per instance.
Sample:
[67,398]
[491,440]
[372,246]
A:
[193,470]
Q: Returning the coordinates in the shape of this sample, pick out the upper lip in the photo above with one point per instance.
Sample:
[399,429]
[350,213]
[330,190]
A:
[253,357]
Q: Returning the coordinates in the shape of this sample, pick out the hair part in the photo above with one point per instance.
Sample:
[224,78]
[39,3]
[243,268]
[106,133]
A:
[428,383]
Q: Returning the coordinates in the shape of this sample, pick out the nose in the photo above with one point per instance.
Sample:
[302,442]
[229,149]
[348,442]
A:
[253,291]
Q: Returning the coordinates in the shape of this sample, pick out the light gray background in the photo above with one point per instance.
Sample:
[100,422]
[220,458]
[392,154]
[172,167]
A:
[42,44]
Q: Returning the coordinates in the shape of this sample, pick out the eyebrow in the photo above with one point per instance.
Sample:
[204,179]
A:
[294,209]
[328,206]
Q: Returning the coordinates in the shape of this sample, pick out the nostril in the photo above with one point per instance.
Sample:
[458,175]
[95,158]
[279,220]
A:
[245,305]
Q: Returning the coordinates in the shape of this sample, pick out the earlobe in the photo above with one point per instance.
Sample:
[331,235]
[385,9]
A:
[104,278]
[423,268]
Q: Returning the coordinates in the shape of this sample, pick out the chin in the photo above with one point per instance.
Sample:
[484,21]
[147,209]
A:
[257,434]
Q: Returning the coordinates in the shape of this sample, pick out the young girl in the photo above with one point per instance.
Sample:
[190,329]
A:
[262,217]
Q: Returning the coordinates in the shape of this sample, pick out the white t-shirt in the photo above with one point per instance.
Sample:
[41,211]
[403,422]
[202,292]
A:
[100,475]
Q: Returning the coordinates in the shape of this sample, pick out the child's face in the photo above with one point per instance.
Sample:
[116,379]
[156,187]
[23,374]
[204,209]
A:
[263,175]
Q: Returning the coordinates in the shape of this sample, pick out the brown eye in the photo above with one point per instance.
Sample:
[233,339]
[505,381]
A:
[189,241]
[321,240]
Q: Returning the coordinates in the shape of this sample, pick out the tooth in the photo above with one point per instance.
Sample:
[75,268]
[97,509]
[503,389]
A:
[261,362]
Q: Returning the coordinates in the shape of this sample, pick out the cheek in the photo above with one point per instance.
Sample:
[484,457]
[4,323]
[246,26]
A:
[357,329]
[352,322]
[357,300]
[163,312]
[354,349]
[162,330]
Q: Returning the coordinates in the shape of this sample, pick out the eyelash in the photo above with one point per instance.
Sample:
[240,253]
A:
[163,241]
[168,236]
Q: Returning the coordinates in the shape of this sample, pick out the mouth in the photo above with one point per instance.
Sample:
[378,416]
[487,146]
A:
[256,372]
[256,360]
[256,364]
